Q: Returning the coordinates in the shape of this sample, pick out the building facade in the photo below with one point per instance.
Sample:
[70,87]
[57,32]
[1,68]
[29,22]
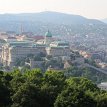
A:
[14,50]
[58,48]
[18,49]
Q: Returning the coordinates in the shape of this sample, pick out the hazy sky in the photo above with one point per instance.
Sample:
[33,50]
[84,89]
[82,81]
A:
[88,8]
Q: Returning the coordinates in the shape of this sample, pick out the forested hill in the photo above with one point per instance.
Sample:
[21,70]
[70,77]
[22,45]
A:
[39,22]
[49,17]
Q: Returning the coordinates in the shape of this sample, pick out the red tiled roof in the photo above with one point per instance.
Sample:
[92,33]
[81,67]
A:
[38,37]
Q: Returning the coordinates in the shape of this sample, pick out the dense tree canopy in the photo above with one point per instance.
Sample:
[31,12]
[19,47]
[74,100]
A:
[91,74]
[73,97]
[32,88]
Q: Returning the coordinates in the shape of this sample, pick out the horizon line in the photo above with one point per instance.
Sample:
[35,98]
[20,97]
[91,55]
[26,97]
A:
[67,13]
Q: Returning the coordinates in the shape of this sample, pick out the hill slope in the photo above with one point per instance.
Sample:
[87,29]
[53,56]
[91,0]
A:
[51,17]
[40,22]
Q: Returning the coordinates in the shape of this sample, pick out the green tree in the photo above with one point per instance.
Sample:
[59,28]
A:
[4,91]
[28,95]
[34,76]
[73,97]
[91,74]
[101,99]
[17,81]
[53,84]
[82,83]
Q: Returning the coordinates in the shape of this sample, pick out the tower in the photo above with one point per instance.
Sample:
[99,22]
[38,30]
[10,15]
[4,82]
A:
[21,29]
[48,38]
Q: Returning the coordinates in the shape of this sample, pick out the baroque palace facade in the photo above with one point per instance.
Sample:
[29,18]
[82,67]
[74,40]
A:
[17,49]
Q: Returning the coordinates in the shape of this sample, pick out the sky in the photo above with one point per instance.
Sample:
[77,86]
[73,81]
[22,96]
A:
[96,9]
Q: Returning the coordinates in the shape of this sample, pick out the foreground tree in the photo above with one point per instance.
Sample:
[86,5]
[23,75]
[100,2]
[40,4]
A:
[101,99]
[52,85]
[32,88]
[82,83]
[28,95]
[4,90]
[73,97]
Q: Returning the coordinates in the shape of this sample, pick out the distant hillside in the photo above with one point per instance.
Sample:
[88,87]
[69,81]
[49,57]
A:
[40,22]
[49,17]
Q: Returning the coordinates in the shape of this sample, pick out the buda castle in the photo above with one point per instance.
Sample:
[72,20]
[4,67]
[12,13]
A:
[14,49]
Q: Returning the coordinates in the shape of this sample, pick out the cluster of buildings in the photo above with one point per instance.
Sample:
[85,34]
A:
[99,57]
[21,46]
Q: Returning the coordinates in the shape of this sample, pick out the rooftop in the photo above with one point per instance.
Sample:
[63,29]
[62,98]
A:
[48,34]
[60,43]
[19,43]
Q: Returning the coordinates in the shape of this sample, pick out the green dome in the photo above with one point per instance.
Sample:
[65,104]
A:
[48,34]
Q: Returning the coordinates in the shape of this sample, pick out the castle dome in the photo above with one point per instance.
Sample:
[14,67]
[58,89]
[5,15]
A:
[48,34]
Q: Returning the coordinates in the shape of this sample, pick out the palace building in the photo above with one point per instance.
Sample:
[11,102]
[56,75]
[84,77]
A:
[18,49]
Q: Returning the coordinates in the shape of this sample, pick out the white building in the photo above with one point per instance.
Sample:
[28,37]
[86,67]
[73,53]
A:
[17,49]
[103,86]
[10,39]
[47,40]
[13,50]
[58,48]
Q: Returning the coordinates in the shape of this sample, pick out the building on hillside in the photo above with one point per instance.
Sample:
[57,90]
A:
[47,40]
[13,50]
[103,86]
[85,54]
[3,35]
[58,48]
[54,48]
[38,37]
[67,64]
[36,64]
[17,49]
[24,38]
[10,39]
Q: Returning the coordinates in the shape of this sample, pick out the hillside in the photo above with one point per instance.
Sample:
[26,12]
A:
[39,22]
[49,17]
